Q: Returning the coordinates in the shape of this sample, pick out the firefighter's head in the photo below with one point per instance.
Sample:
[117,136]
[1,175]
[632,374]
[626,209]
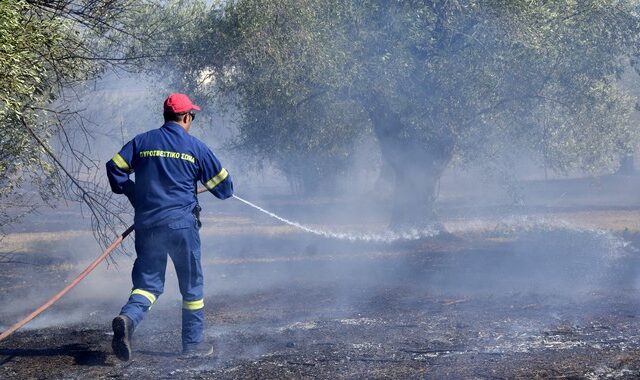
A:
[180,109]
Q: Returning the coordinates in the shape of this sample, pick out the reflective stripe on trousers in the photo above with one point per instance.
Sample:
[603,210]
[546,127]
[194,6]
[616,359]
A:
[181,241]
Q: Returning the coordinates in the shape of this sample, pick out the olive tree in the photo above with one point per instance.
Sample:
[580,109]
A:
[433,81]
[49,50]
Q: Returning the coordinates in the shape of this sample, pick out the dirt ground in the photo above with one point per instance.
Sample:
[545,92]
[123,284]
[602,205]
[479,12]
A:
[526,296]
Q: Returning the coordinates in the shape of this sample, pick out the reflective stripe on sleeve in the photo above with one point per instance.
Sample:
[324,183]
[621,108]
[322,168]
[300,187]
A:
[120,162]
[213,182]
[148,295]
[193,305]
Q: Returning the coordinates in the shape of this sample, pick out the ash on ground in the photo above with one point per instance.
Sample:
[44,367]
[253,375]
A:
[539,302]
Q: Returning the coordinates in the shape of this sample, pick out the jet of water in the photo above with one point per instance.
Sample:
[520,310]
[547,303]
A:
[386,237]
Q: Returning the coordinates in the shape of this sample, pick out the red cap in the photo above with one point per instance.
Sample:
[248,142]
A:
[179,103]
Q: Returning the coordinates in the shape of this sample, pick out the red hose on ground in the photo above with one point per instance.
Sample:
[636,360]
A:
[70,286]
[73,283]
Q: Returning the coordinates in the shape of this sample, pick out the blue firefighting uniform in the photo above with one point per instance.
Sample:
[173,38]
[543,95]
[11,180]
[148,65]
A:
[168,162]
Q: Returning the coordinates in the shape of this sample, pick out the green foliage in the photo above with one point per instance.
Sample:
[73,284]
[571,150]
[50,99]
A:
[566,105]
[479,78]
[24,44]
[47,49]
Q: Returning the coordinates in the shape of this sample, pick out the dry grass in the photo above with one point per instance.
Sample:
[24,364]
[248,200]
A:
[25,242]
[611,220]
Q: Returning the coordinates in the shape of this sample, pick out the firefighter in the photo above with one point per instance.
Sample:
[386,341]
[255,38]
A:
[168,162]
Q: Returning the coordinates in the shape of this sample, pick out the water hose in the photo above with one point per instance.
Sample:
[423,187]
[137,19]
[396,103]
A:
[73,283]
[70,286]
[386,237]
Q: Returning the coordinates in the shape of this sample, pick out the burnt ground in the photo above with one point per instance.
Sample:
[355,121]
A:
[491,304]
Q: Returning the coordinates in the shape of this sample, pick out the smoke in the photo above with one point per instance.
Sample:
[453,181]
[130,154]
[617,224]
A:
[387,237]
[334,255]
[246,251]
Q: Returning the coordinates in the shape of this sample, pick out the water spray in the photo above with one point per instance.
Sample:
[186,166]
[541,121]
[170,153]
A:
[386,237]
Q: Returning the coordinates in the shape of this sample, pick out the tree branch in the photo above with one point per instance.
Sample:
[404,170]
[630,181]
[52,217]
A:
[102,217]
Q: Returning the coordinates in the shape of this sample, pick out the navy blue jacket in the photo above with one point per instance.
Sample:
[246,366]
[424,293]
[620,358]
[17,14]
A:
[168,162]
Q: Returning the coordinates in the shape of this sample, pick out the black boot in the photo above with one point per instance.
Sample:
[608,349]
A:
[122,333]
[200,350]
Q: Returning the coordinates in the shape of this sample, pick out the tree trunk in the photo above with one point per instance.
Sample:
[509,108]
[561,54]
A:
[417,164]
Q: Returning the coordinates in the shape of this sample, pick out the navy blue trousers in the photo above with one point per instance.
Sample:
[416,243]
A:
[181,241]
